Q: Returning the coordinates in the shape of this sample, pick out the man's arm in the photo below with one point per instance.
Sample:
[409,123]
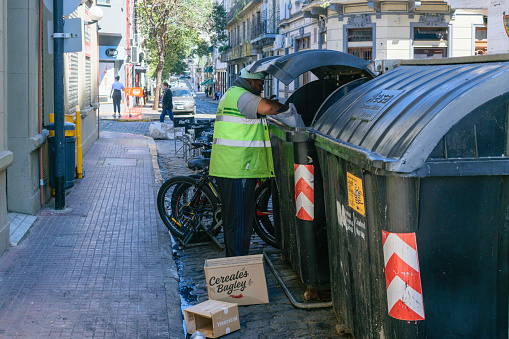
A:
[270,107]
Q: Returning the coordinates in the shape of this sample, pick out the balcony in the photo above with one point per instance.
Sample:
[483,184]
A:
[263,34]
[236,52]
[226,56]
[243,50]
[239,10]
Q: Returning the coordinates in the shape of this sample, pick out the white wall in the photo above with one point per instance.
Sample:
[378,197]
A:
[498,41]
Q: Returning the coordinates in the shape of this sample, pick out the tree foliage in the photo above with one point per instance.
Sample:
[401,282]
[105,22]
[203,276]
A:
[219,21]
[171,28]
[202,49]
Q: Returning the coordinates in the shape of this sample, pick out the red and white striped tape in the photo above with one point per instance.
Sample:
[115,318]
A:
[402,276]
[305,191]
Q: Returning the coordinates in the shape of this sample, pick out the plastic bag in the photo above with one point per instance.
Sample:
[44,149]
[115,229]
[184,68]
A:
[159,130]
[290,117]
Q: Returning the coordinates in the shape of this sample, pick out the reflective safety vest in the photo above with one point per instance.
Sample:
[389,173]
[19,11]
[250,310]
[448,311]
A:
[241,146]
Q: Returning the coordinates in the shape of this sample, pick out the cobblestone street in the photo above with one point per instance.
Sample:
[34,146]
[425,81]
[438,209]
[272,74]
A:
[278,318]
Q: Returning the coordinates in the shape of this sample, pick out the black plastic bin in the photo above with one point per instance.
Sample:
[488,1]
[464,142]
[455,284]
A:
[417,170]
[302,232]
[70,156]
[180,122]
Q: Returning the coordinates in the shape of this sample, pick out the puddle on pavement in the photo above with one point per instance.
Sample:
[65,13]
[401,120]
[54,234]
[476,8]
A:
[186,294]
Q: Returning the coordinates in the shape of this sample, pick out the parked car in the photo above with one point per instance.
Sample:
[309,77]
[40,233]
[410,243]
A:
[183,101]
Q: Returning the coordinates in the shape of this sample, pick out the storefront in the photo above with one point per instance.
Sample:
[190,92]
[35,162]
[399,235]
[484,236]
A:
[111,59]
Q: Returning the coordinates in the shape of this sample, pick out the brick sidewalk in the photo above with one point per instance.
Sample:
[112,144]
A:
[103,267]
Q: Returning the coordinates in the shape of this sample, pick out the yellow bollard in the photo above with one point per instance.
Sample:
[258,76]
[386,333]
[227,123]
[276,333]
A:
[79,168]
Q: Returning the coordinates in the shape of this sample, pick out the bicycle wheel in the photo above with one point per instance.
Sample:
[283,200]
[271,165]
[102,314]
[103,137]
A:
[264,225]
[184,208]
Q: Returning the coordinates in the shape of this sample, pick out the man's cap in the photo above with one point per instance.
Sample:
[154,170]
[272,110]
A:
[248,75]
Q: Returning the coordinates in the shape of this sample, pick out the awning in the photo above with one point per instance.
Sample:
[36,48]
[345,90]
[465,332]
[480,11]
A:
[140,69]
[209,69]
[206,82]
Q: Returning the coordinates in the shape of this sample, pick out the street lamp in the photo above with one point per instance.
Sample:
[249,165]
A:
[95,14]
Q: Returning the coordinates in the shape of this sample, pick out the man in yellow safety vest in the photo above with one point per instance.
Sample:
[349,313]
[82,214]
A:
[241,155]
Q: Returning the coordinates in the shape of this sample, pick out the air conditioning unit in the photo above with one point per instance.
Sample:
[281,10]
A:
[279,42]
[135,58]
[288,42]
[138,39]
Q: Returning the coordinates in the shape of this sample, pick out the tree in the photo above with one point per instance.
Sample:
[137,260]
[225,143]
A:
[219,21]
[173,59]
[172,27]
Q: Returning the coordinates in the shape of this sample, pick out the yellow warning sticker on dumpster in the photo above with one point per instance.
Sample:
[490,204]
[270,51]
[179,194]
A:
[355,193]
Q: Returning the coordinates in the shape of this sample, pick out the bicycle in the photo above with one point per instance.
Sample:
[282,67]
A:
[190,206]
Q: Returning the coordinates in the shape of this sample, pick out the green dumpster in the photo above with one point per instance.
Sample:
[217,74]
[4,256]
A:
[416,167]
[302,233]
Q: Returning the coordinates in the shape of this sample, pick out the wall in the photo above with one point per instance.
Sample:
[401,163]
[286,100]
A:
[23,192]
[498,41]
[463,31]
[6,157]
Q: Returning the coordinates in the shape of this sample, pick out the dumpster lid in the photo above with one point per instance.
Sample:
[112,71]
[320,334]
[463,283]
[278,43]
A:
[321,62]
[421,114]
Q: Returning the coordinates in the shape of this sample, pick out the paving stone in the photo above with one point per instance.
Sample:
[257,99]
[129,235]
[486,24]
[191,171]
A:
[83,267]
[278,319]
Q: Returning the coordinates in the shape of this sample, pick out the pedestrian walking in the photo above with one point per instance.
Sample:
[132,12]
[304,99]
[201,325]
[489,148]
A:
[167,103]
[241,154]
[145,95]
[218,95]
[116,94]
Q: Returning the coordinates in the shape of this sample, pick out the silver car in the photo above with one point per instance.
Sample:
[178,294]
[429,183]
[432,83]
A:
[183,101]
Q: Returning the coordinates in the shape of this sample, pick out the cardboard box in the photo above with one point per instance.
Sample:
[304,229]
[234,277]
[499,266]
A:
[237,279]
[212,318]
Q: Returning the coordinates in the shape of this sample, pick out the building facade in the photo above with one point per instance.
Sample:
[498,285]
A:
[493,36]
[371,30]
[120,47]
[6,155]
[252,28]
[26,101]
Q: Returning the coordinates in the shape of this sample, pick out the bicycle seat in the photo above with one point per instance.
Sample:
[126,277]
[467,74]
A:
[198,163]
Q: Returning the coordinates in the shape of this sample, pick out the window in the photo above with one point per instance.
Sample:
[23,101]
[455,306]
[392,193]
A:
[323,36]
[430,42]
[365,53]
[430,34]
[104,2]
[360,42]
[181,93]
[303,43]
[481,40]
[360,34]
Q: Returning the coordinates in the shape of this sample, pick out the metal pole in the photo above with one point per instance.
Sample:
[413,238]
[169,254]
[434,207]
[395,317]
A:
[58,69]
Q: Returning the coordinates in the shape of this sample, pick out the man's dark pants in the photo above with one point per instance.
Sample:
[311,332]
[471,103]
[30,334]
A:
[164,112]
[238,213]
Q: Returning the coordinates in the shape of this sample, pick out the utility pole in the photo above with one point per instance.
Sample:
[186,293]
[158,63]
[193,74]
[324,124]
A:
[58,69]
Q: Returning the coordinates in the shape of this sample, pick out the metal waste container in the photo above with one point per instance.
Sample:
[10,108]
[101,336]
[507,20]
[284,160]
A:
[417,170]
[70,156]
[301,232]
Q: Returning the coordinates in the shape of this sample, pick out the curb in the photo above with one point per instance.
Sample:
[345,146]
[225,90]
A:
[131,120]
[158,179]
